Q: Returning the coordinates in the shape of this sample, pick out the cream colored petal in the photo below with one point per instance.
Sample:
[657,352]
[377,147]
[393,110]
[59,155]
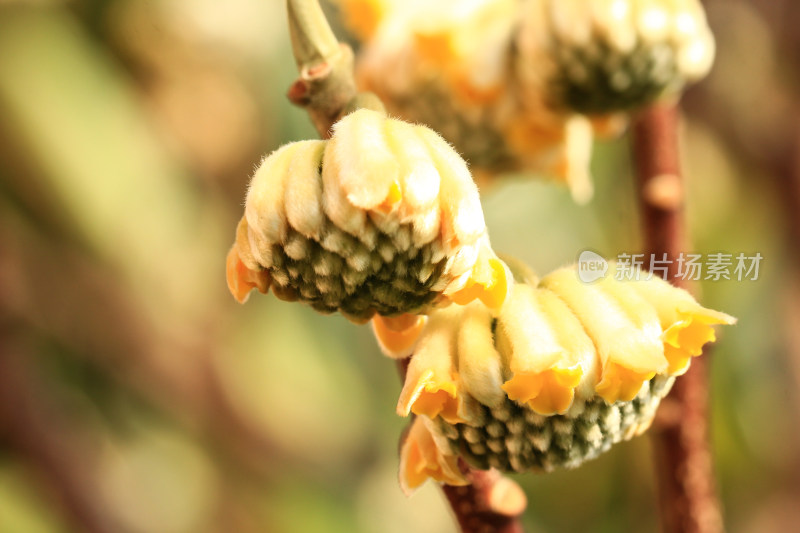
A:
[463,260]
[479,364]
[625,332]
[368,170]
[489,280]
[335,204]
[426,226]
[303,197]
[686,325]
[535,347]
[431,386]
[264,207]
[462,217]
[245,245]
[420,183]
[418,175]
[672,303]
[546,350]
[578,347]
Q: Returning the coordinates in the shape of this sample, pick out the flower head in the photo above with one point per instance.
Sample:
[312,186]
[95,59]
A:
[610,55]
[526,85]
[447,64]
[382,218]
[564,371]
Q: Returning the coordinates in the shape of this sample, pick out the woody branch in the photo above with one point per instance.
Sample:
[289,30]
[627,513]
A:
[683,459]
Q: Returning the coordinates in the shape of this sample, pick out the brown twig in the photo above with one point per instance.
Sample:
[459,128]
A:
[684,466]
[326,89]
[490,503]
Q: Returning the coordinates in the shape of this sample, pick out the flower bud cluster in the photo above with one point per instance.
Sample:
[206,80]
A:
[527,84]
[562,372]
[600,56]
[382,218]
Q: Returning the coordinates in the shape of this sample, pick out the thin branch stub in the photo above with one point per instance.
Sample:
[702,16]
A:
[313,40]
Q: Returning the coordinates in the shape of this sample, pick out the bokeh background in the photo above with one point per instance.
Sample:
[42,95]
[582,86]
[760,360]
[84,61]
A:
[137,396]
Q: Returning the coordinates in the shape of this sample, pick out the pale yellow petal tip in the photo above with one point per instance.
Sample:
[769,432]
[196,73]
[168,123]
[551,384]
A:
[547,393]
[490,283]
[393,198]
[685,338]
[430,397]
[397,336]
[436,401]
[621,384]
[241,280]
[421,459]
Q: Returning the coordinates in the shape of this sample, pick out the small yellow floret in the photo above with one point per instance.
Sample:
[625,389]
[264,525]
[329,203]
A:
[430,397]
[241,280]
[397,335]
[620,383]
[421,459]
[685,339]
[549,392]
[686,325]
[488,282]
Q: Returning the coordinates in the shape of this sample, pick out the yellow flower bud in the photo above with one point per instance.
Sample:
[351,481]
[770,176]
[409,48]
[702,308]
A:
[449,65]
[382,218]
[600,56]
[526,85]
[687,325]
[562,372]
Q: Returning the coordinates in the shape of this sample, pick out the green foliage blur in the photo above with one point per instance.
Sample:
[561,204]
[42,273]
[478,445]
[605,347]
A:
[137,396]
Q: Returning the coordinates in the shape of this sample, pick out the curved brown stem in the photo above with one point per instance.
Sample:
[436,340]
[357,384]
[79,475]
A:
[490,502]
[684,466]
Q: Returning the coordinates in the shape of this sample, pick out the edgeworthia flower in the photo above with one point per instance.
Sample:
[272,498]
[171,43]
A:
[382,218]
[448,64]
[564,371]
[527,84]
[599,56]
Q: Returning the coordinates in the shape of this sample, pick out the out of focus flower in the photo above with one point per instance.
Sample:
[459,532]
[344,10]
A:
[382,218]
[563,372]
[600,56]
[526,85]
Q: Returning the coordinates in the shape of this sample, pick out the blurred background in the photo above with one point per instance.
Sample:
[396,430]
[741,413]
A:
[137,396]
